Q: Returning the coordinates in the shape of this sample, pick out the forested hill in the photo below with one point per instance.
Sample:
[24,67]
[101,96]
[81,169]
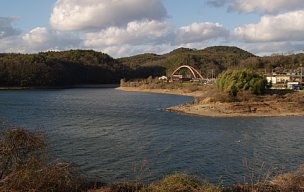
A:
[60,69]
[213,60]
[90,67]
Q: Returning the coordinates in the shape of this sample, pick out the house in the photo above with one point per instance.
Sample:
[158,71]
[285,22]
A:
[164,78]
[278,78]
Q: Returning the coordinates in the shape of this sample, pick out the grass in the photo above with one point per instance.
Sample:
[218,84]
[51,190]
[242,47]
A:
[181,183]
[150,83]
[293,181]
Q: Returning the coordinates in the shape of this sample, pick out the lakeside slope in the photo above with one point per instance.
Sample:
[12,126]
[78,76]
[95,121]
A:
[264,106]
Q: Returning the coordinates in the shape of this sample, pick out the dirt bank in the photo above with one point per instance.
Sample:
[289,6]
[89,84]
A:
[240,109]
[291,104]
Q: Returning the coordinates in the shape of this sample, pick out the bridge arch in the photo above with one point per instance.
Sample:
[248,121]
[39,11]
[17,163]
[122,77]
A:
[194,72]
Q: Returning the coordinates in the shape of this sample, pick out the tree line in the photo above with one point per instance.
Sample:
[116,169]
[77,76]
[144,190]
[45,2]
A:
[59,69]
[212,61]
[74,67]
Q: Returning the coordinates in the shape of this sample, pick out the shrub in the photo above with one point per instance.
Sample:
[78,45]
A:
[19,147]
[293,181]
[181,183]
[234,81]
[25,165]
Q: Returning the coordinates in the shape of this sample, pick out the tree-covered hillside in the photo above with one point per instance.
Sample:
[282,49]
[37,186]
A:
[90,67]
[208,61]
[214,60]
[59,69]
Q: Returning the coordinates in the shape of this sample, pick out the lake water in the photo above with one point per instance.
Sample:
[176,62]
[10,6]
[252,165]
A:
[110,134]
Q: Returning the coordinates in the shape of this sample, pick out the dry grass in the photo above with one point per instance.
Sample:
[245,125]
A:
[181,183]
[287,182]
[254,188]
[174,183]
[187,87]
[39,177]
[123,187]
[25,165]
[293,181]
[18,147]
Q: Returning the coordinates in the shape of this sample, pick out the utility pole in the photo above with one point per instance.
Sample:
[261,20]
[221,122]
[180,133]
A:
[212,74]
[301,73]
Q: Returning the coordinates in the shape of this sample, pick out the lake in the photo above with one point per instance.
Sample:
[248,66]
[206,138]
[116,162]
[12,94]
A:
[112,134]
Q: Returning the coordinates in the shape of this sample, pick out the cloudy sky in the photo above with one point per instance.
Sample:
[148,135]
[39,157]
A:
[128,27]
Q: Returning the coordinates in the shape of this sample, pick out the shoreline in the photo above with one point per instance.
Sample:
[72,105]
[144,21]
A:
[226,110]
[194,110]
[62,87]
[160,91]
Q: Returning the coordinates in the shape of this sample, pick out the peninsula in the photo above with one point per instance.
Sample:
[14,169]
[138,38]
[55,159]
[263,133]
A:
[207,102]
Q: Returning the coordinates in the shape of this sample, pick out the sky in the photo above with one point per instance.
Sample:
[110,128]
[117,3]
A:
[128,27]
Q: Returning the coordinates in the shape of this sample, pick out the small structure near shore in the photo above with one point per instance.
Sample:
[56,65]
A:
[278,78]
[164,78]
[285,81]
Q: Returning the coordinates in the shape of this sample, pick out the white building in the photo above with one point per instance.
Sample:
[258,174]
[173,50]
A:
[276,79]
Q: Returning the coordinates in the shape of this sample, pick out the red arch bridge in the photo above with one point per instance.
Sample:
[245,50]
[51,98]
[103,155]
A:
[194,74]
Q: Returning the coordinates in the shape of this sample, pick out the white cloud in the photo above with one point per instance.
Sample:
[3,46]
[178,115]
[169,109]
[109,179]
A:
[280,29]
[122,51]
[199,32]
[265,6]
[145,32]
[37,36]
[42,39]
[283,27]
[71,15]
[273,47]
[152,36]
[268,6]
[128,50]
[12,44]
[6,28]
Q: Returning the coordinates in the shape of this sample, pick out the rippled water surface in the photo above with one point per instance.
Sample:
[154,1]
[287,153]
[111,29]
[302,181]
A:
[109,133]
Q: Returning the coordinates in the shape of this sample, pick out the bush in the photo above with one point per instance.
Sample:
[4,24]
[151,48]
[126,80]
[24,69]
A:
[234,81]
[181,183]
[293,181]
[18,148]
[25,165]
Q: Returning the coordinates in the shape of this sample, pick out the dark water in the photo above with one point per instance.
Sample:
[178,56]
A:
[110,133]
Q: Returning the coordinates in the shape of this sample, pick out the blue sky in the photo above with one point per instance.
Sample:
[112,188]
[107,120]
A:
[129,27]
[30,13]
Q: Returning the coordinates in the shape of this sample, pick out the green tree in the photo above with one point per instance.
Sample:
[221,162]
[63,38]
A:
[234,81]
